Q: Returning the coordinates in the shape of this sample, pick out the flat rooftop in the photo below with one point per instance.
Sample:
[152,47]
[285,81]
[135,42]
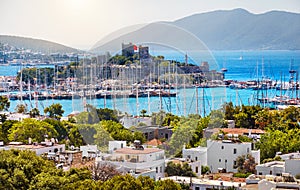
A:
[137,151]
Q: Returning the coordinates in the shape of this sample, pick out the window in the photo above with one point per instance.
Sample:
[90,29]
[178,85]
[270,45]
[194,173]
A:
[270,172]
[196,169]
[225,161]
[220,160]
[160,169]
[234,165]
[260,173]
[234,151]
[156,169]
[196,158]
[197,188]
[247,150]
[222,147]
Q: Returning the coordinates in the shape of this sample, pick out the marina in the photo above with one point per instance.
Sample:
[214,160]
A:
[249,88]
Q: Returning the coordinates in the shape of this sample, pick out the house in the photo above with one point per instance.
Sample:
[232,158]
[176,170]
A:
[195,165]
[127,122]
[156,132]
[137,160]
[252,133]
[270,168]
[221,154]
[71,157]
[267,182]
[89,151]
[38,148]
[290,165]
[283,182]
[206,184]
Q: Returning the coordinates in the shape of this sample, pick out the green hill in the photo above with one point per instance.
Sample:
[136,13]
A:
[36,44]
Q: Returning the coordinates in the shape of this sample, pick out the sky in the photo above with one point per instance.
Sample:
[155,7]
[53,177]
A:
[81,23]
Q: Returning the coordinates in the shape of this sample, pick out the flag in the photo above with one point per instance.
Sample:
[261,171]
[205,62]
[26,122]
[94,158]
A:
[135,48]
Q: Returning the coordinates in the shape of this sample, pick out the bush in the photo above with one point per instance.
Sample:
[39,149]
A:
[241,175]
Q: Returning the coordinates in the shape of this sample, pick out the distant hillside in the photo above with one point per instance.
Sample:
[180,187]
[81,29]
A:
[221,30]
[239,29]
[36,44]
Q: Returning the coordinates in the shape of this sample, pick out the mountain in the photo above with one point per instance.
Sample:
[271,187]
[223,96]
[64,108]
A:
[218,30]
[36,45]
[239,29]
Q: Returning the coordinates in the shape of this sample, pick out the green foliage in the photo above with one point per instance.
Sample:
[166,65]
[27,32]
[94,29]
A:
[31,128]
[74,136]
[143,112]
[245,164]
[4,129]
[167,185]
[21,108]
[173,169]
[4,103]
[279,141]
[241,175]
[55,111]
[216,119]
[19,168]
[34,112]
[127,182]
[25,170]
[276,158]
[59,127]
[107,114]
[188,131]
[170,120]
[158,118]
[204,169]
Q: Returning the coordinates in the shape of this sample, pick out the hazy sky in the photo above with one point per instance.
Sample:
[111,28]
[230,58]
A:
[81,23]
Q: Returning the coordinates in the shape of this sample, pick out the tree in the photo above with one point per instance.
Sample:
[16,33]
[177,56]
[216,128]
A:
[273,141]
[54,110]
[143,112]
[127,182]
[107,114]
[167,184]
[173,169]
[21,108]
[216,119]
[34,112]
[245,164]
[31,128]
[18,168]
[4,103]
[103,172]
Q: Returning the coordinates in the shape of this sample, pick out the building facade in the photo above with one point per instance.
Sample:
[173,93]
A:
[221,154]
[137,160]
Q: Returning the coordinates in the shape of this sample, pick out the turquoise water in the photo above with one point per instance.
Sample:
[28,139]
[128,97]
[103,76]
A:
[241,65]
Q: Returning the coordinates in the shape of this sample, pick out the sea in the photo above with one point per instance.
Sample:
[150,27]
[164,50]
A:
[240,65]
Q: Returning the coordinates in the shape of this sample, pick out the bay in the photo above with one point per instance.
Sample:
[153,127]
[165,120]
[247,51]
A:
[241,66]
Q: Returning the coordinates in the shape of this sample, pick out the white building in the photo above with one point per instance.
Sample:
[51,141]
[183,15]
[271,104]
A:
[39,149]
[114,145]
[137,160]
[270,168]
[89,151]
[278,183]
[221,154]
[134,121]
[203,184]
[290,165]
